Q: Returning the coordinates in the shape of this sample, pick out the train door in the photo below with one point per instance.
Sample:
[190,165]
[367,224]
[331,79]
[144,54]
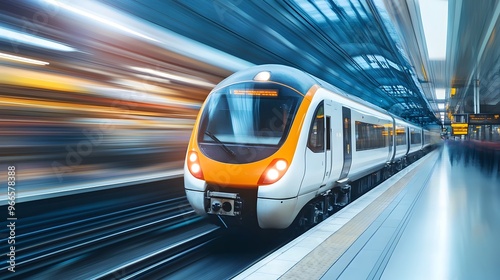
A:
[391,134]
[408,139]
[346,132]
[315,165]
[328,139]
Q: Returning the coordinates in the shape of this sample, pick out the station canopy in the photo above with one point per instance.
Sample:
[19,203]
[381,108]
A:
[351,44]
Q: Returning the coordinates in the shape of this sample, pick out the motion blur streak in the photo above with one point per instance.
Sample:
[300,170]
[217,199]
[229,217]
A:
[105,103]
[24,38]
[93,12]
[38,79]
[22,59]
[102,20]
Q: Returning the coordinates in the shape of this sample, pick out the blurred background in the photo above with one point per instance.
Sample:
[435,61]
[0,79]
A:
[98,99]
[96,94]
[91,96]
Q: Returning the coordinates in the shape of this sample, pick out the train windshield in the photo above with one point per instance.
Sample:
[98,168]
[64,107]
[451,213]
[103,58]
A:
[249,114]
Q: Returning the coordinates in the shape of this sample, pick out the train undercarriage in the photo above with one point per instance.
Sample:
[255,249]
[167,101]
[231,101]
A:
[329,202]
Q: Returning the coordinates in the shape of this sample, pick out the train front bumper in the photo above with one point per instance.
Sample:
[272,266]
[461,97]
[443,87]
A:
[276,213]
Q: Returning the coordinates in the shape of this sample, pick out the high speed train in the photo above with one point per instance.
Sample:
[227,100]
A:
[273,145]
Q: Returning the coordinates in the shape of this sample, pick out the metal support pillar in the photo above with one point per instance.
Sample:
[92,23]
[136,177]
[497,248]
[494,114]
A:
[477,108]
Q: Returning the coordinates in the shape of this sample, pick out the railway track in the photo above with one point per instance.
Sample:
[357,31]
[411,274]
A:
[135,232]
[48,246]
[167,259]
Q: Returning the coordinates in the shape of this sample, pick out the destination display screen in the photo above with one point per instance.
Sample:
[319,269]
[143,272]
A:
[256,92]
[459,128]
[484,119]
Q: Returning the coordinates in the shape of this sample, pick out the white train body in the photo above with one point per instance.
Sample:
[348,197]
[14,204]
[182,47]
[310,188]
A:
[271,139]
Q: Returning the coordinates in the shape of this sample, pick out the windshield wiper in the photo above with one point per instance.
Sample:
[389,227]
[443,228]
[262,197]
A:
[222,145]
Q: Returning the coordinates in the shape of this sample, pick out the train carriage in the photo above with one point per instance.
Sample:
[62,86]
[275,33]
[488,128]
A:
[273,145]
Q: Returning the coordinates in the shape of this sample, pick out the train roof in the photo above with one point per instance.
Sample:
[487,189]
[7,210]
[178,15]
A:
[290,76]
[298,79]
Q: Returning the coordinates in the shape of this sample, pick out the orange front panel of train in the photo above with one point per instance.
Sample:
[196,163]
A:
[248,174]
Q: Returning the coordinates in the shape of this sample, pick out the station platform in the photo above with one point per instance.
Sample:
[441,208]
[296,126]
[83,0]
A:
[436,219]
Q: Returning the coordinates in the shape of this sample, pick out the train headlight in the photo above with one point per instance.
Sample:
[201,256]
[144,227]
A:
[262,76]
[274,172]
[194,165]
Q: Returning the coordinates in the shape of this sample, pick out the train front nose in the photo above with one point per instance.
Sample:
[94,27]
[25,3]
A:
[242,141]
[223,203]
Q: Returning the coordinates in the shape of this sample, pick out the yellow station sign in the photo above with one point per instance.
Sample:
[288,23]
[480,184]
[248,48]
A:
[459,128]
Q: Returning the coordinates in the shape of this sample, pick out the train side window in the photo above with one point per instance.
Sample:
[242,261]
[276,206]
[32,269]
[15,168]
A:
[371,136]
[415,137]
[316,141]
[400,135]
